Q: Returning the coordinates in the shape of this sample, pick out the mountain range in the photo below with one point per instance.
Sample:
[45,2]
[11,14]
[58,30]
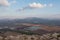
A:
[35,25]
[32,20]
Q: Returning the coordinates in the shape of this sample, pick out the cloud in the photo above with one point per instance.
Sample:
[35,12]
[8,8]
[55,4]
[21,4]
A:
[33,5]
[4,3]
[36,5]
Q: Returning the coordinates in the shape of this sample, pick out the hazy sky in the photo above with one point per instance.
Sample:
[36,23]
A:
[29,8]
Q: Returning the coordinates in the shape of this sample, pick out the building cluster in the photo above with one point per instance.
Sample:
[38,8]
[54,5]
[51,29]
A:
[55,36]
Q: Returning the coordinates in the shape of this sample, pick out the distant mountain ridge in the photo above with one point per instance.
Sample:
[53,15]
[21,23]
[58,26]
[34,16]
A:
[33,20]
